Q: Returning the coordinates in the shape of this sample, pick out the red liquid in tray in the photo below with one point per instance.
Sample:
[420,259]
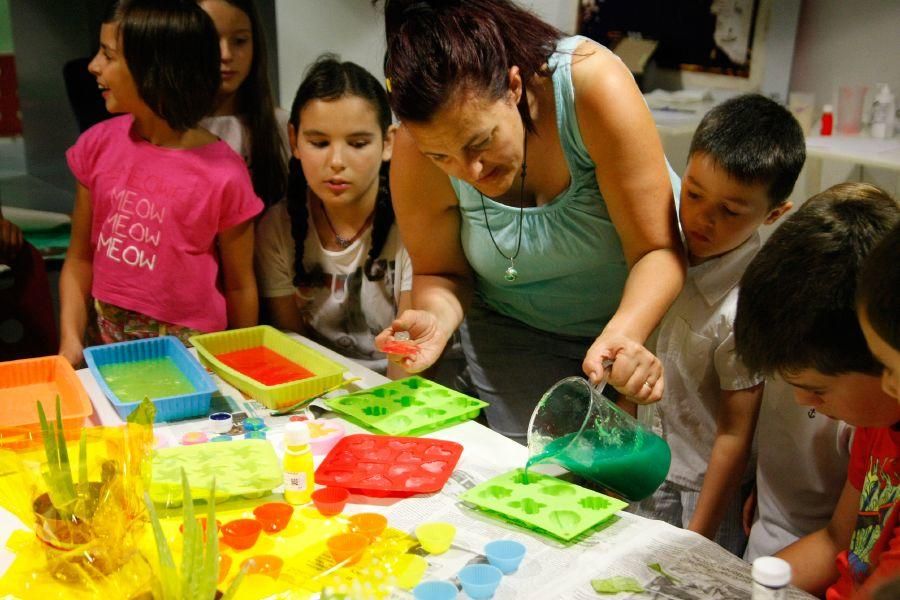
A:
[264,365]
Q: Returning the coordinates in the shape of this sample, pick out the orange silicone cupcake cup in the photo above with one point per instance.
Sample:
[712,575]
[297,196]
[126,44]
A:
[273,516]
[330,501]
[241,534]
[370,525]
[347,546]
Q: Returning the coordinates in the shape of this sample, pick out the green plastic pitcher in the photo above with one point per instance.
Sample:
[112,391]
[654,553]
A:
[578,428]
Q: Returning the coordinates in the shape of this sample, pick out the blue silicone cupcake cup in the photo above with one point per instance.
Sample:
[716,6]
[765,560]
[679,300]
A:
[435,590]
[480,581]
[506,555]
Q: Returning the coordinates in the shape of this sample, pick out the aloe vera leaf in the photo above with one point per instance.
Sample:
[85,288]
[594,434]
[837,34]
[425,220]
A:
[143,414]
[168,579]
[193,546]
[49,439]
[235,584]
[210,569]
[82,460]
[64,466]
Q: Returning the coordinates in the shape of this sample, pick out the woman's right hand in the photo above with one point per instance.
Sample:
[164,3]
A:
[424,333]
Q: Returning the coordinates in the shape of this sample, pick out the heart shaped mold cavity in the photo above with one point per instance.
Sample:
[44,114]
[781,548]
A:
[434,466]
[407,401]
[559,490]
[414,384]
[496,492]
[370,467]
[400,470]
[593,503]
[380,454]
[408,457]
[363,444]
[398,445]
[565,519]
[431,413]
[342,476]
[346,457]
[417,482]
[437,452]
[375,411]
[440,393]
[529,506]
[377,480]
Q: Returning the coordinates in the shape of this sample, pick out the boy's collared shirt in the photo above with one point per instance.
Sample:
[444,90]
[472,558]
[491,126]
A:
[874,553]
[696,346]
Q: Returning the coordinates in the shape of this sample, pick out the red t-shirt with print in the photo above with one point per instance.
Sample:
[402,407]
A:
[874,553]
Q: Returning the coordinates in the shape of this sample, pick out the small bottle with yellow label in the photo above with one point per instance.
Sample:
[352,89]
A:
[299,470]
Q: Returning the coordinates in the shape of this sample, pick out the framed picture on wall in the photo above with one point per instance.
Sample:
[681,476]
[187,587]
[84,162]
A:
[706,36]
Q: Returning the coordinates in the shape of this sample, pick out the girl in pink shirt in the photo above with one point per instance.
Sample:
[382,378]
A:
[162,230]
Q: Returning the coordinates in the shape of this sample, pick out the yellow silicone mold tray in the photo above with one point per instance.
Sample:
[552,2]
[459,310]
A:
[326,372]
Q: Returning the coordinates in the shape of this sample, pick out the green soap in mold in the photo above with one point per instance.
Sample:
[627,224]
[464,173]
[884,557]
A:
[543,503]
[152,378]
[407,407]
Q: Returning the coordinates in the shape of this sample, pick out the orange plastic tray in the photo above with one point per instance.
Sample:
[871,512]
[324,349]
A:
[22,382]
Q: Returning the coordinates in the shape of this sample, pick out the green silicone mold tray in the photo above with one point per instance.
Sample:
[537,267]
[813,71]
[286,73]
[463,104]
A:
[243,468]
[543,503]
[411,406]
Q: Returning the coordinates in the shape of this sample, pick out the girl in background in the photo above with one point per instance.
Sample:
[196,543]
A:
[244,114]
[162,228]
[330,261]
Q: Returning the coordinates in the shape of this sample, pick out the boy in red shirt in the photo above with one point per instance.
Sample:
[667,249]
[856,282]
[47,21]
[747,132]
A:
[796,317]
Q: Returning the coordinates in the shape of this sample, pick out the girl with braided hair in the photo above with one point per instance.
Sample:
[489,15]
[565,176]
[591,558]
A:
[329,258]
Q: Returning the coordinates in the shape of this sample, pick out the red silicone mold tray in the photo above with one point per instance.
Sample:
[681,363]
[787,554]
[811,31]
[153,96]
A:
[383,465]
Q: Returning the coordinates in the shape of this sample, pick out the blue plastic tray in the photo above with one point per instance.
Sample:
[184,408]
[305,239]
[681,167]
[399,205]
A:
[172,408]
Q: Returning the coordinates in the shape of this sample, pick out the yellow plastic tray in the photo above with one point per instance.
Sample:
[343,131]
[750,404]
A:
[327,372]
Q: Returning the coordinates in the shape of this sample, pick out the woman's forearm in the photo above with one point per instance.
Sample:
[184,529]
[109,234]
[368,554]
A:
[446,297]
[653,283]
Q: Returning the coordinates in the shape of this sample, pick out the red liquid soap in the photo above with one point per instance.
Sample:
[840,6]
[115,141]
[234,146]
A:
[827,120]
[264,365]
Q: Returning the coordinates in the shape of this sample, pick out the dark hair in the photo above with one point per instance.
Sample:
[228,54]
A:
[437,48]
[755,140]
[878,289]
[796,306]
[172,50]
[330,79]
[268,162]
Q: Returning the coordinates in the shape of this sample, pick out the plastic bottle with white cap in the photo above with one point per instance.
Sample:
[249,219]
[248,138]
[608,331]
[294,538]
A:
[883,113]
[771,578]
[299,469]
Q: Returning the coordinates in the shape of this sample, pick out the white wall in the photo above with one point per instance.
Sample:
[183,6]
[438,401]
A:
[354,29]
[839,41]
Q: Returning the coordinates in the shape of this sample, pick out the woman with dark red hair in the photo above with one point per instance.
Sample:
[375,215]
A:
[533,195]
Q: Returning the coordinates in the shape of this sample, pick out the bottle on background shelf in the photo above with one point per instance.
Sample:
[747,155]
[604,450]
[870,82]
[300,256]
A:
[827,120]
[883,113]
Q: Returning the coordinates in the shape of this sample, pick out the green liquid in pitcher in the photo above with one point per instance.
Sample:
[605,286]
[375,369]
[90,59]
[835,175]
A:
[153,378]
[634,470]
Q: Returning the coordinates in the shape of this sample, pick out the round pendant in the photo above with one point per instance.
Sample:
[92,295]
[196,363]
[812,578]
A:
[511,274]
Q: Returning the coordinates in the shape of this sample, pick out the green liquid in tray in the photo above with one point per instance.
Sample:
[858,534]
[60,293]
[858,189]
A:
[633,470]
[154,378]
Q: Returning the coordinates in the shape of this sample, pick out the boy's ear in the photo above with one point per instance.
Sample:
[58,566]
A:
[777,212]
[388,149]
[292,138]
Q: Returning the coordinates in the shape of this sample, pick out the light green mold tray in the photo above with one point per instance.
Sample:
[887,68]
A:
[407,407]
[543,503]
[242,468]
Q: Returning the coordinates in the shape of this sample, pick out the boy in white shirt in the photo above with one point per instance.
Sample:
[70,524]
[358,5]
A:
[744,160]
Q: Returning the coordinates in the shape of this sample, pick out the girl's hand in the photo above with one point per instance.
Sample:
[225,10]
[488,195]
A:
[635,371]
[429,340]
[72,351]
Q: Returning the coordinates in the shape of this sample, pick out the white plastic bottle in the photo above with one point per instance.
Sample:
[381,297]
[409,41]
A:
[883,113]
[771,577]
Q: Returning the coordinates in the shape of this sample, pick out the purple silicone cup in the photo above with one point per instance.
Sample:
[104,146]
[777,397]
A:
[480,581]
[506,555]
[435,590]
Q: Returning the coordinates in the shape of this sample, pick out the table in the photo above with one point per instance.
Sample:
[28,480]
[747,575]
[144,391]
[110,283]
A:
[625,546]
